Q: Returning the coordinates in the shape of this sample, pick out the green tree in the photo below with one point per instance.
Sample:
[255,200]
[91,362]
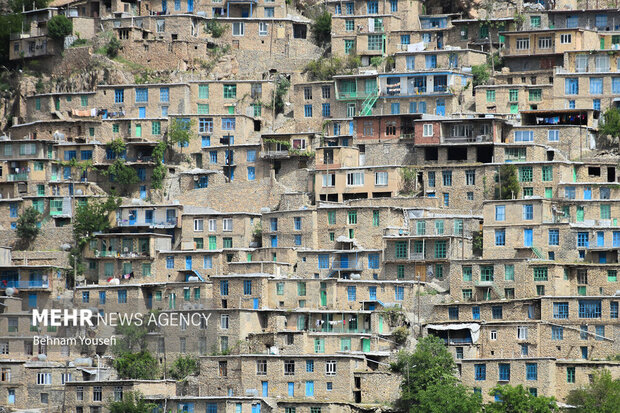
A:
[9,23]
[112,48]
[507,185]
[184,366]
[117,147]
[59,26]
[180,132]
[428,378]
[132,402]
[322,28]
[28,225]
[481,74]
[140,366]
[132,338]
[159,171]
[123,174]
[611,123]
[282,86]
[215,28]
[91,217]
[519,400]
[602,395]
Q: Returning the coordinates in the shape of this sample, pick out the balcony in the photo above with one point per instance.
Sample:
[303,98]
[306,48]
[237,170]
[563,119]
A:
[168,223]
[25,285]
[18,177]
[274,154]
[355,265]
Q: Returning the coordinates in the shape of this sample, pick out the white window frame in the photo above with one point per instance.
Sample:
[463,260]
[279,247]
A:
[212,225]
[353,178]
[262,28]
[330,368]
[493,335]
[545,42]
[199,225]
[44,379]
[427,130]
[227,225]
[329,180]
[224,321]
[381,178]
[238,28]
[566,38]
[522,332]
[522,43]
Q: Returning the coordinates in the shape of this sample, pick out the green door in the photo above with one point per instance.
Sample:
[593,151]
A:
[574,174]
[370,86]
[514,108]
[323,298]
[365,345]
[579,214]
[138,131]
[380,324]
[602,43]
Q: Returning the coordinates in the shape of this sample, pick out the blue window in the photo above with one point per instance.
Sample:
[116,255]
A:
[102,297]
[70,155]
[336,129]
[616,239]
[480,372]
[560,310]
[583,239]
[399,293]
[228,124]
[291,389]
[122,296]
[504,372]
[497,312]
[224,287]
[553,136]
[431,179]
[557,333]
[600,239]
[142,95]
[393,6]
[571,104]
[86,155]
[596,85]
[351,293]
[596,104]
[572,22]
[589,309]
[475,313]
[85,296]
[164,94]
[202,182]
[326,110]
[569,192]
[372,293]
[338,9]
[411,66]
[13,210]
[274,241]
[323,261]
[615,85]
[431,61]
[297,239]
[395,108]
[211,408]
[446,199]
[600,21]
[350,8]
[373,261]
[247,287]
[309,366]
[164,111]
[141,174]
[372,7]
[119,95]
[453,313]
[309,388]
[554,237]
[500,212]
[251,155]
[297,223]
[571,86]
[531,371]
[213,157]
[500,237]
[524,136]
[600,333]
[207,262]
[308,111]
[405,39]
[170,262]
[206,141]
[528,212]
[422,107]
[251,173]
[613,309]
[13,225]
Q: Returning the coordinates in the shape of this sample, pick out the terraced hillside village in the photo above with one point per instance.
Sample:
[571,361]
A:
[354,206]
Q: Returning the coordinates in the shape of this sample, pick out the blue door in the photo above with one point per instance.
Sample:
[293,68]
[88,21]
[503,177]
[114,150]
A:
[587,192]
[584,353]
[344,260]
[309,389]
[188,262]
[602,258]
[600,239]
[66,174]
[440,108]
[291,388]
[439,41]
[255,306]
[265,389]
[245,12]
[527,237]
[148,217]
[132,217]
[190,5]
[351,128]
[143,192]
[71,189]
[475,313]
[11,396]
[372,292]
[164,6]
[256,408]
[142,112]
[32,300]
[149,300]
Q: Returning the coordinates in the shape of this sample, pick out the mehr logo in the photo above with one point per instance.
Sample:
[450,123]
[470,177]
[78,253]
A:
[85,317]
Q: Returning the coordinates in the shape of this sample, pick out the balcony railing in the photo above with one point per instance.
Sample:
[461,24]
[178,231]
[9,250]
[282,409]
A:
[347,265]
[24,285]
[18,177]
[135,223]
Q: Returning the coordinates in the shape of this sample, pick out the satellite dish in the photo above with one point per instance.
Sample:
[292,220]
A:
[9,291]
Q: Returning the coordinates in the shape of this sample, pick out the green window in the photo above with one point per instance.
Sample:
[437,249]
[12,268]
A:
[319,345]
[352,217]
[509,272]
[228,242]
[580,213]
[400,271]
[490,96]
[581,290]
[280,288]
[440,249]
[84,101]
[514,108]
[156,127]
[418,247]
[375,42]
[345,344]
[467,294]
[349,25]
[41,190]
[540,274]
[158,296]
[91,131]
[203,91]
[108,269]
[484,31]
[351,233]
[115,128]
[535,95]
[230,91]
[612,276]
[301,289]
[196,293]
[467,274]
[331,217]
[535,21]
[257,109]
[348,46]
[439,227]
[332,236]
[37,103]
[127,267]
[570,374]
[529,191]
[146,270]
[486,273]
[421,228]
[401,249]
[203,109]
[525,174]
[513,95]
[187,294]
[547,173]
[605,211]
[212,242]
[199,243]
[438,271]
[38,205]
[375,218]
